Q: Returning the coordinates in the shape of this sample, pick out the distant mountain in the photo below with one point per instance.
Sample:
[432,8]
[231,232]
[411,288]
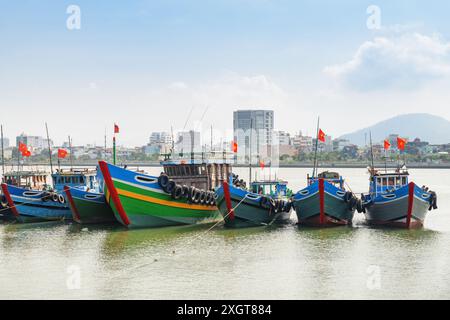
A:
[427,127]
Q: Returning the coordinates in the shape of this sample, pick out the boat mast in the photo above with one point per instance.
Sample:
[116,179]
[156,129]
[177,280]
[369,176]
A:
[250,151]
[371,149]
[316,147]
[70,150]
[3,154]
[49,149]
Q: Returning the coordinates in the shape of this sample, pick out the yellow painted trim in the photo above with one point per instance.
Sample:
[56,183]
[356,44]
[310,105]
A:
[107,196]
[165,202]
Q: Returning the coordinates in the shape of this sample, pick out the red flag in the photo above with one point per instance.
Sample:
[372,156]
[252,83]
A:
[116,128]
[387,145]
[26,153]
[321,135]
[22,147]
[62,153]
[262,164]
[234,146]
[401,142]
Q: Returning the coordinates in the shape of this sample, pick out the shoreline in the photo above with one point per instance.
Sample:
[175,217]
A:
[281,165]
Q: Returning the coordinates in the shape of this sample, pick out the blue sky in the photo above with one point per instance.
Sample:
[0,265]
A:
[145,64]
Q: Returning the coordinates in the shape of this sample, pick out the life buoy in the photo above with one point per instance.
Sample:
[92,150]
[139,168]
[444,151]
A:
[170,186]
[177,192]
[163,180]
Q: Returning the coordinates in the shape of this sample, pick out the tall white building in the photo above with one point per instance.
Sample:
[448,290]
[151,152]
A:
[260,140]
[33,142]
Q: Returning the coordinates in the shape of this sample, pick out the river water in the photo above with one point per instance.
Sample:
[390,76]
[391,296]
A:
[65,261]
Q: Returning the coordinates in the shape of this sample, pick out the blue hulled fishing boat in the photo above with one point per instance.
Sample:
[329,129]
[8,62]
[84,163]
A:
[31,199]
[88,204]
[395,201]
[265,203]
[325,201]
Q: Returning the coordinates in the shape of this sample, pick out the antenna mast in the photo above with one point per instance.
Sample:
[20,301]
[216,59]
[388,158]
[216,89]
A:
[49,149]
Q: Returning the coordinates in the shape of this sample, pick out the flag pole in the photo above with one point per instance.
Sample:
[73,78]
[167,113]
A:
[114,149]
[317,146]
[250,154]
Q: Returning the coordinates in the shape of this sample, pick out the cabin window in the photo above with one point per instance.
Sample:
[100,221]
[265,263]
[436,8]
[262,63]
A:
[391,181]
[404,180]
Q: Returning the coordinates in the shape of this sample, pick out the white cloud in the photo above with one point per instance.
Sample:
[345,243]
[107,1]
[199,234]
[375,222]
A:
[401,61]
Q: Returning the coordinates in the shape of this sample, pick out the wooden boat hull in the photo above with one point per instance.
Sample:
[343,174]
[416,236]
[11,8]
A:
[248,210]
[322,205]
[138,201]
[88,207]
[28,206]
[406,208]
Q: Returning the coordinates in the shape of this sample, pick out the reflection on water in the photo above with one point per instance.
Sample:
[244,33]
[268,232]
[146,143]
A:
[195,262]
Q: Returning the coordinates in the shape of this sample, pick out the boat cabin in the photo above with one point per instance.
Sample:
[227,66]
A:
[200,174]
[276,188]
[74,178]
[331,177]
[381,183]
[26,179]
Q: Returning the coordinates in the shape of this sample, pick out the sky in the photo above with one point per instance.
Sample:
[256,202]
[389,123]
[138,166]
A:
[147,65]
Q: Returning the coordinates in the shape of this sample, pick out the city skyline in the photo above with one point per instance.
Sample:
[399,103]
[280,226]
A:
[145,64]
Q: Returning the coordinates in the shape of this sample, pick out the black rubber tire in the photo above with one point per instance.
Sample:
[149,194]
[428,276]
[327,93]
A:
[46,197]
[196,196]
[208,198]
[264,203]
[55,197]
[170,186]
[348,195]
[191,194]
[185,190]
[177,192]
[163,180]
[61,199]
[202,197]
[272,204]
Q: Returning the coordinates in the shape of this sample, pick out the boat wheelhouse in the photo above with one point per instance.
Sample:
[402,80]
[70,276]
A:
[27,179]
[74,178]
[274,188]
[200,174]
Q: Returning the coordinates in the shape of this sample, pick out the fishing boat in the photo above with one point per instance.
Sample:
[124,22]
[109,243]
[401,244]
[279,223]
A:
[395,201]
[88,203]
[325,201]
[31,199]
[265,203]
[181,195]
